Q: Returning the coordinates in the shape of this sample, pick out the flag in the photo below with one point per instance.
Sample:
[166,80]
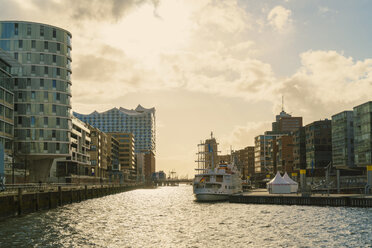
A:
[202,180]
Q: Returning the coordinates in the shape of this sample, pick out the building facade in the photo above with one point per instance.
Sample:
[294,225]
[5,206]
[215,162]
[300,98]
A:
[76,168]
[284,122]
[284,156]
[343,140]
[363,134]
[299,149]
[244,158]
[99,152]
[140,122]
[127,157]
[41,93]
[318,145]
[263,150]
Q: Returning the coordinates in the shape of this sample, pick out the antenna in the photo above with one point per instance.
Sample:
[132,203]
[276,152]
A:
[211,135]
[282,103]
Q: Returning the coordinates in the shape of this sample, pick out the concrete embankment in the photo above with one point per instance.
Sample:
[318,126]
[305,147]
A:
[23,201]
[294,199]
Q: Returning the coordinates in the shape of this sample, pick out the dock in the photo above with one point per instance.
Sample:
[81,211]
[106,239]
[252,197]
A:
[24,200]
[334,200]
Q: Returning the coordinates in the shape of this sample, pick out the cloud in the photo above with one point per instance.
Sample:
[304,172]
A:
[279,18]
[327,83]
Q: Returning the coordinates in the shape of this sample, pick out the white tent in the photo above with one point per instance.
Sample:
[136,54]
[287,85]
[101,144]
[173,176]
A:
[294,185]
[278,185]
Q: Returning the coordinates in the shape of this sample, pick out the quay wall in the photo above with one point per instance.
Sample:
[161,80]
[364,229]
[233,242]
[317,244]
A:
[27,202]
[344,201]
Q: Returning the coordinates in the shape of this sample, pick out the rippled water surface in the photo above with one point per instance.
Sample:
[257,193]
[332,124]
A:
[169,217]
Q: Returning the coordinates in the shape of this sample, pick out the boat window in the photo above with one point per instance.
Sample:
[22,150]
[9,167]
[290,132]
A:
[207,178]
[219,178]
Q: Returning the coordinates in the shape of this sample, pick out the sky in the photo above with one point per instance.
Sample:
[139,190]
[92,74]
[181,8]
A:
[209,65]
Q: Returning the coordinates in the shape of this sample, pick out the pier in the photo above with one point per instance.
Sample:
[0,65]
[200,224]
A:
[32,198]
[334,200]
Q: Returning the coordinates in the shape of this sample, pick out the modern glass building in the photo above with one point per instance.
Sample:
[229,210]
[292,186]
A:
[6,102]
[343,140]
[41,93]
[140,122]
[363,134]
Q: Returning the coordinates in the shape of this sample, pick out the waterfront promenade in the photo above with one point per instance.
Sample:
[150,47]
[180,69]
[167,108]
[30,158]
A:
[28,198]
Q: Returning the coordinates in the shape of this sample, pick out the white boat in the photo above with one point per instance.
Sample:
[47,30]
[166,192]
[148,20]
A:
[215,183]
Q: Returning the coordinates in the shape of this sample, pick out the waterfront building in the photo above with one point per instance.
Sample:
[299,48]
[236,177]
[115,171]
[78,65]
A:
[299,149]
[343,140]
[224,158]
[149,165]
[244,159]
[41,93]
[114,172]
[284,156]
[99,152]
[363,134]
[140,165]
[318,145]
[263,144]
[284,122]
[126,154]
[140,122]
[74,168]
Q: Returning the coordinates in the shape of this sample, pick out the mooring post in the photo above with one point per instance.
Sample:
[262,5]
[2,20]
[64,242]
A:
[59,195]
[303,180]
[20,201]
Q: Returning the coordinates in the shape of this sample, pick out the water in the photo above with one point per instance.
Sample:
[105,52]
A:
[169,217]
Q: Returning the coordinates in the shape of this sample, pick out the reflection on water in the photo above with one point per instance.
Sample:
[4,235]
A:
[169,217]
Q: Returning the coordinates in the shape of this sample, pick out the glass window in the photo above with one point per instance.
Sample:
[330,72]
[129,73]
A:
[33,44]
[41,57]
[32,121]
[54,108]
[45,121]
[45,146]
[16,29]
[16,56]
[57,146]
[54,58]
[20,44]
[28,56]
[41,30]
[32,94]
[28,29]
[58,72]
[53,133]
[58,96]
[28,84]
[41,133]
[33,69]
[58,47]
[54,33]
[54,83]
[41,82]
[45,95]
[20,120]
[58,121]
[45,70]
[41,108]
[46,45]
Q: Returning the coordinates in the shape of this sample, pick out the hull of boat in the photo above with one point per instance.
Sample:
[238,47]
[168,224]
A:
[204,197]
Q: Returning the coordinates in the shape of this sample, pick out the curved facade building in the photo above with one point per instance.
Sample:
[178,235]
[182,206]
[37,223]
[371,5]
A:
[42,121]
[140,122]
